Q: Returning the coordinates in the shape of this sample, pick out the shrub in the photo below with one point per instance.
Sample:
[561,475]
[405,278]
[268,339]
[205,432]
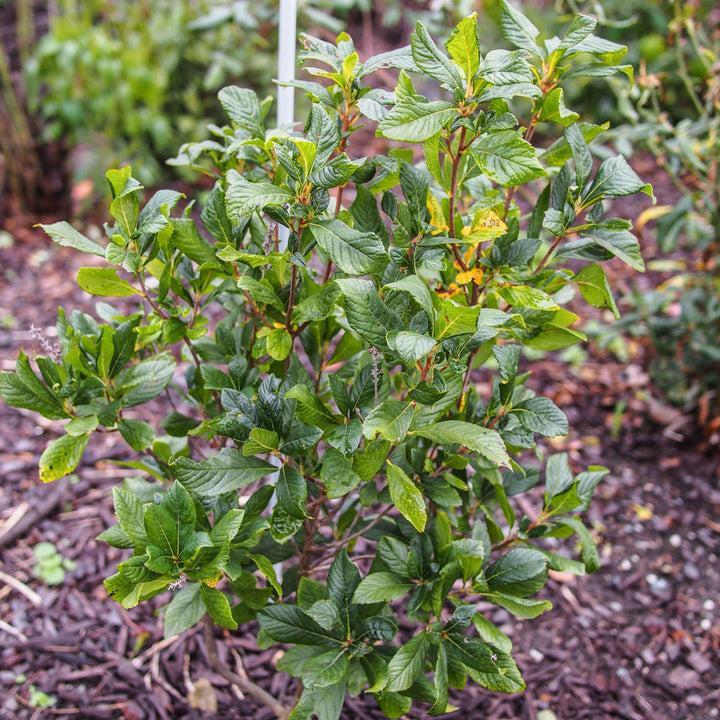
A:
[329,379]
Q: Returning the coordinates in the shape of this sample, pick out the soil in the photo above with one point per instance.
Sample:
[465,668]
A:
[637,640]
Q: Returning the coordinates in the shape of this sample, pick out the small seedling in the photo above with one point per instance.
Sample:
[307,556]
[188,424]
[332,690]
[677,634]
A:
[50,565]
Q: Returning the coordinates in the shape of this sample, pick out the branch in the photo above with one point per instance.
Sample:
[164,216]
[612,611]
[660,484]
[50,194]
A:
[245,684]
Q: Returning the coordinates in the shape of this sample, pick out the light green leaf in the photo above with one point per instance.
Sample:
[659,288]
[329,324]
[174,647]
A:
[279,343]
[104,282]
[310,409]
[432,61]
[621,243]
[188,240]
[418,290]
[410,346]
[407,663]
[381,587]
[391,419]
[406,497]
[506,158]
[266,567]
[463,46]
[62,456]
[66,235]
[243,197]
[353,252]
[526,296]
[261,292]
[414,119]
[326,669]
[476,438]
[525,608]
[595,288]
[260,442]
[588,553]
[518,30]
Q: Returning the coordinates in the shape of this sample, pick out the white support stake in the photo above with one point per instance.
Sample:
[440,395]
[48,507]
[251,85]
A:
[286,62]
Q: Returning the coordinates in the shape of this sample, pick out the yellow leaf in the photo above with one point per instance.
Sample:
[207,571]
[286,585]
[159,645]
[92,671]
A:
[453,289]
[475,275]
[486,225]
[643,513]
[437,216]
[652,213]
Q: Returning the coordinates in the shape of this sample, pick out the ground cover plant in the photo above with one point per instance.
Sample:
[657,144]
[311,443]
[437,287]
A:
[328,467]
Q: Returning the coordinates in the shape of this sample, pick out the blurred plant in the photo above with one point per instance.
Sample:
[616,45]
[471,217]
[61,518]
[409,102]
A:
[682,316]
[50,566]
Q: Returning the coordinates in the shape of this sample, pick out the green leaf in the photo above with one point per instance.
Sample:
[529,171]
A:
[595,288]
[279,343]
[266,567]
[23,389]
[613,179]
[554,110]
[185,610]
[337,474]
[621,243]
[188,240]
[391,419]
[243,108]
[526,296]
[136,433]
[310,409]
[463,46]
[476,438]
[518,30]
[261,292]
[291,491]
[541,415]
[322,704]
[130,514]
[489,666]
[381,587]
[318,306]
[325,613]
[218,607]
[144,381]
[326,669]
[414,119]
[104,282]
[64,234]
[343,579]
[407,663]
[226,471]
[406,497]
[525,608]
[367,313]
[588,553]
[418,291]
[455,320]
[287,623]
[354,252]
[260,442]
[346,437]
[62,456]
[410,346]
[432,61]
[558,476]
[243,197]
[441,682]
[521,571]
[506,158]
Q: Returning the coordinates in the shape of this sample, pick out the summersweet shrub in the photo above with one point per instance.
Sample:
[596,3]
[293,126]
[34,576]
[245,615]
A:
[327,375]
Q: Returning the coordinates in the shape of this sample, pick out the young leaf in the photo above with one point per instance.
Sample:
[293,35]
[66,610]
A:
[381,587]
[463,46]
[518,30]
[506,158]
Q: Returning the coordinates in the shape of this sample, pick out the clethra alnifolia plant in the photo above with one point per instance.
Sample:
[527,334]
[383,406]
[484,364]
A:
[328,468]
